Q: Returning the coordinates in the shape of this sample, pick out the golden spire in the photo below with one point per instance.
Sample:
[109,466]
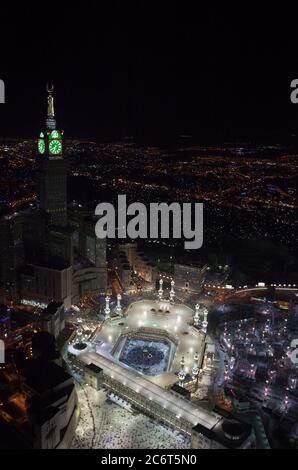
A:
[50,89]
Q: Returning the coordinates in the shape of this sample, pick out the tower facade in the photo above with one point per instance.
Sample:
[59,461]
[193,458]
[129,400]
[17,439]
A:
[53,168]
[64,259]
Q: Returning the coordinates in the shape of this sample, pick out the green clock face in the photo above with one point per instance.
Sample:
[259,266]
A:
[55,147]
[41,146]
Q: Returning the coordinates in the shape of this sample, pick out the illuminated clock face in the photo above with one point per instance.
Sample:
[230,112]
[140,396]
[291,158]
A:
[55,147]
[41,146]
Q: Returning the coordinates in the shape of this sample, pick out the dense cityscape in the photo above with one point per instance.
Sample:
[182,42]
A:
[121,344]
[249,193]
[148,231]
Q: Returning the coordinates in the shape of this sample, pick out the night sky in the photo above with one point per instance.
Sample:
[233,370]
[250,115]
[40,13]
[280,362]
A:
[131,68]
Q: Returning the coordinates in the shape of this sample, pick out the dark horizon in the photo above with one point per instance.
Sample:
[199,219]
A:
[215,73]
[148,229]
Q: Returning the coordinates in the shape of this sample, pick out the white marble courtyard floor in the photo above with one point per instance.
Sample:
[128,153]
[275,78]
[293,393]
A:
[109,426]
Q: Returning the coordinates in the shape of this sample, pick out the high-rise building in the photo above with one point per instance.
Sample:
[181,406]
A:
[41,406]
[5,321]
[53,169]
[293,311]
[89,252]
[11,255]
[189,278]
[45,255]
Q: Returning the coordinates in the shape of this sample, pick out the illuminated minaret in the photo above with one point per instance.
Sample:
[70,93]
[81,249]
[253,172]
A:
[196,318]
[119,308]
[172,291]
[53,168]
[182,374]
[205,321]
[107,308]
[195,368]
[79,335]
[160,291]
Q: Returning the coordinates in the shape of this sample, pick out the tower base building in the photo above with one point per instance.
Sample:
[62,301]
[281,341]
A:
[47,254]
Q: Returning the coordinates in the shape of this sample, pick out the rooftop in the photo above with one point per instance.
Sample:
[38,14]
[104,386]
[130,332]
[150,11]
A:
[52,308]
[43,376]
[94,368]
[228,432]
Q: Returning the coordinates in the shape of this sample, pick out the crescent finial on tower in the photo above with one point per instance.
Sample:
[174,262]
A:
[50,122]
[51,112]
[50,87]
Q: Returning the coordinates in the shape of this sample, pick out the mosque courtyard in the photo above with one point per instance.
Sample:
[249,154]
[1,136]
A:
[107,424]
[172,336]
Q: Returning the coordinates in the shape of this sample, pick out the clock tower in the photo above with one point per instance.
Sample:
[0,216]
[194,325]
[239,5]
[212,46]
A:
[53,168]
